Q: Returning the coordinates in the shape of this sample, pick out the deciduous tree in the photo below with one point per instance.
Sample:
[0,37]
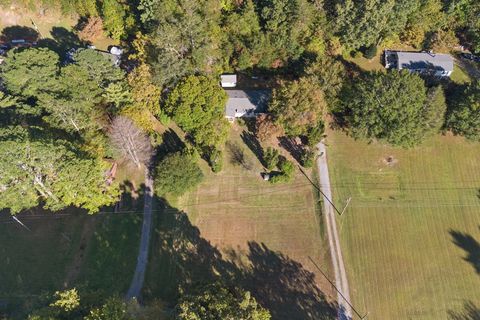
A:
[132,144]
[464,114]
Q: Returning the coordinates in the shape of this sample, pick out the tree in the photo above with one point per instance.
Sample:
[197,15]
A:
[442,41]
[186,39]
[197,105]
[99,68]
[271,158]
[36,169]
[297,106]
[265,127]
[287,171]
[113,309]
[365,23]
[176,174]
[391,107]
[145,95]
[216,301]
[67,300]
[118,95]
[329,74]
[464,115]
[435,109]
[114,15]
[132,144]
[28,72]
[92,30]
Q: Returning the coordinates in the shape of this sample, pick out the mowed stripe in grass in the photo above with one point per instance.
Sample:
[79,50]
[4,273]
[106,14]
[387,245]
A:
[398,234]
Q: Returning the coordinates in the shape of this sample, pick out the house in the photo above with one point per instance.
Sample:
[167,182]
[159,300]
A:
[437,64]
[228,80]
[246,103]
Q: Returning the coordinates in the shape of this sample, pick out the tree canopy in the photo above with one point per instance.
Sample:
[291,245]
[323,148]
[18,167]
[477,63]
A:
[464,116]
[392,107]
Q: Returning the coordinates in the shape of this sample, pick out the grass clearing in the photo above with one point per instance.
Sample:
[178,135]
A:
[459,76]
[238,224]
[411,226]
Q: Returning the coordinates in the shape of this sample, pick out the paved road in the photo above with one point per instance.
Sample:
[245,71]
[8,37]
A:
[344,310]
[142,259]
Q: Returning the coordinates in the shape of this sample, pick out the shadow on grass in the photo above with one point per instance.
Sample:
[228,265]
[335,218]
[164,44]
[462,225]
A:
[471,247]
[19,33]
[253,144]
[182,259]
[470,312]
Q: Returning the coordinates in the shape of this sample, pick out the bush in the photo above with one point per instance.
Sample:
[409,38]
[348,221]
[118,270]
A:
[270,158]
[308,159]
[315,134]
[357,54]
[215,160]
[286,172]
[176,174]
[370,52]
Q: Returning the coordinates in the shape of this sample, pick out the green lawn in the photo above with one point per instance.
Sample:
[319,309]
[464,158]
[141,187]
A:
[94,253]
[411,234]
[459,75]
[238,225]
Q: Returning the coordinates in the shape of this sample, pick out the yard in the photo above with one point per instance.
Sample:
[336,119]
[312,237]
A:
[64,250]
[51,24]
[411,234]
[261,235]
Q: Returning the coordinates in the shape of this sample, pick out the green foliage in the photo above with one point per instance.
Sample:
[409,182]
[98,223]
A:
[66,300]
[31,71]
[118,94]
[298,106]
[329,74]
[36,170]
[113,309]
[315,134]
[464,115]
[186,39]
[176,174]
[366,23]
[215,159]
[287,170]
[113,14]
[370,52]
[219,302]
[391,107]
[271,158]
[308,158]
[197,105]
[99,67]
[435,109]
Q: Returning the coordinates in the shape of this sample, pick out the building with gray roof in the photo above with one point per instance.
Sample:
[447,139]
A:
[437,64]
[246,103]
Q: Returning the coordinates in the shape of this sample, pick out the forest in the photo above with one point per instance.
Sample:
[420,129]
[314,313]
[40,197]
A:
[64,119]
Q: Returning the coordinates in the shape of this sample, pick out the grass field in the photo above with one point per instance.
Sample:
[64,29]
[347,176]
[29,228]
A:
[237,224]
[411,234]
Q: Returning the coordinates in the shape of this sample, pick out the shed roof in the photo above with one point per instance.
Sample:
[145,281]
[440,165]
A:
[243,101]
[424,60]
[232,78]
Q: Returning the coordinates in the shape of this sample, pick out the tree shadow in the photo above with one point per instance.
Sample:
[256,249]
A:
[237,156]
[171,143]
[470,312]
[19,33]
[471,247]
[253,144]
[66,39]
[284,287]
[295,149]
[181,259]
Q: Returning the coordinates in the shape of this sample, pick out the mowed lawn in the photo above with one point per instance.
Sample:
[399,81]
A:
[411,234]
[237,223]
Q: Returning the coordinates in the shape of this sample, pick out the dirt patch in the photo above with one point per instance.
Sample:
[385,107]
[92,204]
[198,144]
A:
[390,161]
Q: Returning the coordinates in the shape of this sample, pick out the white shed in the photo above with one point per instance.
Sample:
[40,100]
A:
[228,80]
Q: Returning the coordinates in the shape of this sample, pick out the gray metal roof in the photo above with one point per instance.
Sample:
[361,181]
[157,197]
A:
[245,101]
[228,78]
[424,60]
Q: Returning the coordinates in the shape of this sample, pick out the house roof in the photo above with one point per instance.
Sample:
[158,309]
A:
[231,78]
[243,101]
[424,60]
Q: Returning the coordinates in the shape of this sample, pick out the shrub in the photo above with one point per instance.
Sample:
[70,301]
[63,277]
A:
[215,160]
[176,174]
[370,52]
[270,158]
[308,159]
